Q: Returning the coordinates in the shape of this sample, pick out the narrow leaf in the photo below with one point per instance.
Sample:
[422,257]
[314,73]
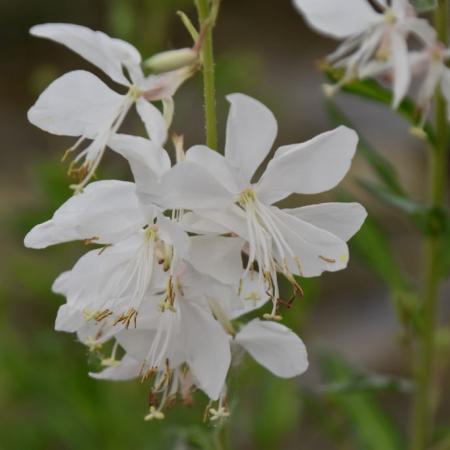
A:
[370,425]
[424,5]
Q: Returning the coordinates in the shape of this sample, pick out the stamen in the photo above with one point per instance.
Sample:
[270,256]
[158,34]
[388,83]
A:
[154,414]
[127,318]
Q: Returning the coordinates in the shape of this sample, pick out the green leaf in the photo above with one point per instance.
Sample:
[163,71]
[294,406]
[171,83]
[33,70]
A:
[424,5]
[277,414]
[431,220]
[400,202]
[372,90]
[385,171]
[370,426]
[444,256]
[368,383]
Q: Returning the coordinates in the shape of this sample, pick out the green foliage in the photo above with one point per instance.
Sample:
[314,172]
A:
[372,90]
[276,414]
[369,425]
[424,5]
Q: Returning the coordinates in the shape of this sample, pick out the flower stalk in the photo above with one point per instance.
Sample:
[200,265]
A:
[207,15]
[423,408]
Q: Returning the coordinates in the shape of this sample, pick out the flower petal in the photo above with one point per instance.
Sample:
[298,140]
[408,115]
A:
[106,212]
[194,223]
[341,219]
[189,186]
[108,54]
[338,18]
[148,160]
[153,121]
[310,167]
[275,347]
[401,68]
[217,256]
[127,369]
[253,296]
[251,131]
[75,104]
[315,250]
[207,348]
[216,165]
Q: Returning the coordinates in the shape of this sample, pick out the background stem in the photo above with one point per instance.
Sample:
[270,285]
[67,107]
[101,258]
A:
[209,89]
[422,412]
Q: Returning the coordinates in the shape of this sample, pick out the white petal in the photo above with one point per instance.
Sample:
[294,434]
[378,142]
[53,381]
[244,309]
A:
[153,121]
[400,63]
[76,104]
[164,86]
[207,348]
[338,18]
[189,186]
[217,256]
[106,53]
[148,160]
[106,211]
[172,233]
[194,223]
[253,296]
[127,369]
[275,347]
[316,250]
[216,165]
[251,131]
[421,28]
[231,219]
[136,342]
[310,167]
[69,319]
[341,219]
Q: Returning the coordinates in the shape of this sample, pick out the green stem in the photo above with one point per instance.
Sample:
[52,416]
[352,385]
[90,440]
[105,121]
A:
[222,437]
[209,89]
[422,412]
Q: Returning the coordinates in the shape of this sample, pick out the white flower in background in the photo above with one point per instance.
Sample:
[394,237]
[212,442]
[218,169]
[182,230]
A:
[79,104]
[429,66]
[376,36]
[303,241]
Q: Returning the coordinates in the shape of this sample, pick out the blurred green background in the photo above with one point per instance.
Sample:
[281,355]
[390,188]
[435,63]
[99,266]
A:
[355,394]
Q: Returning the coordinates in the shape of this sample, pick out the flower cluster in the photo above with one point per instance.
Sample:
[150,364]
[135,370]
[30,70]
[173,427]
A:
[382,37]
[184,251]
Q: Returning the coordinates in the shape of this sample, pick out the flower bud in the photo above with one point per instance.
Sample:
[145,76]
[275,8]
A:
[171,60]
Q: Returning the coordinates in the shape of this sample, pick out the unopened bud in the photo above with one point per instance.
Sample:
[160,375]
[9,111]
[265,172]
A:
[171,60]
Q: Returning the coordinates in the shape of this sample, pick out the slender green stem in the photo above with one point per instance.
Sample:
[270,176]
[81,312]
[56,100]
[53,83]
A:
[222,437]
[207,14]
[209,89]
[422,412]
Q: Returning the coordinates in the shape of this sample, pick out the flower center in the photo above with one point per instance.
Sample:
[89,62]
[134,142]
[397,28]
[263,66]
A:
[389,16]
[267,246]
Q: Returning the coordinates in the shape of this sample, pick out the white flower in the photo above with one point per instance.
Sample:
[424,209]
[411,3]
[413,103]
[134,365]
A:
[80,104]
[183,332]
[303,241]
[141,246]
[375,37]
[429,65]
